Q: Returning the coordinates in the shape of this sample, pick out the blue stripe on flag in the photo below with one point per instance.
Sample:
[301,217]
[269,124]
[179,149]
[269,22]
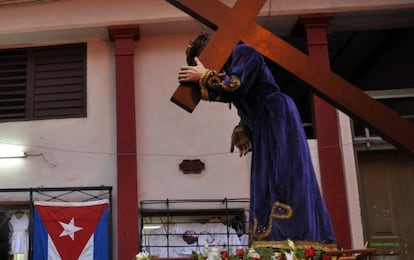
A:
[40,239]
[101,237]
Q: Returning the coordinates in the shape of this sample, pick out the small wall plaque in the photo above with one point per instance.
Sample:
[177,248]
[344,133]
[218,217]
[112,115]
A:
[192,166]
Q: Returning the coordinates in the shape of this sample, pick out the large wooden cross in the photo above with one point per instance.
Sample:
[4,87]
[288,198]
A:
[236,24]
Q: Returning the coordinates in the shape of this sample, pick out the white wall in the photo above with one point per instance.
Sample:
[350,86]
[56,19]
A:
[69,152]
[351,180]
[55,16]
[167,134]
[81,151]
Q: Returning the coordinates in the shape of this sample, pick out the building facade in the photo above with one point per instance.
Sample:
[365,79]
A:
[117,127]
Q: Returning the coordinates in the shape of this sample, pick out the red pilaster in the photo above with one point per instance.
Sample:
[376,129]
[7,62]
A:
[327,133]
[127,191]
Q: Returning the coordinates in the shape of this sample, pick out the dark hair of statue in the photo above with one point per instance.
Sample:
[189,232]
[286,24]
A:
[193,50]
[196,47]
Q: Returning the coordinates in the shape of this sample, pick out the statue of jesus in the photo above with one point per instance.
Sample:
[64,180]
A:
[285,199]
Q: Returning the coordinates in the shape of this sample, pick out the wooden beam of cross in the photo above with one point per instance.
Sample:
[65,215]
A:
[223,41]
[237,24]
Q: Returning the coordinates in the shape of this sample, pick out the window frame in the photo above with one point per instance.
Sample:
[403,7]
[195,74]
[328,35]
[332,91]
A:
[55,87]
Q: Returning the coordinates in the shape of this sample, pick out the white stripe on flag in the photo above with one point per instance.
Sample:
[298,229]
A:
[52,253]
[87,253]
[71,204]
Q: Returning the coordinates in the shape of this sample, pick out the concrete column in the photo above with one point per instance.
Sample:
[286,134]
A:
[127,191]
[326,126]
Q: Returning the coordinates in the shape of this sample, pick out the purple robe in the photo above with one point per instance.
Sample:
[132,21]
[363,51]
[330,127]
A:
[285,200]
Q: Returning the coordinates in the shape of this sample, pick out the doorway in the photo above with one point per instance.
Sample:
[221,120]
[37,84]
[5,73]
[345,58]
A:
[386,183]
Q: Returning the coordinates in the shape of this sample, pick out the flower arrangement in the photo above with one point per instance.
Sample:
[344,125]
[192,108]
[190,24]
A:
[143,256]
[213,254]
[264,253]
[306,253]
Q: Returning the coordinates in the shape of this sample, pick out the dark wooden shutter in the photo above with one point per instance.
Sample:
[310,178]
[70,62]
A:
[13,70]
[59,83]
[43,82]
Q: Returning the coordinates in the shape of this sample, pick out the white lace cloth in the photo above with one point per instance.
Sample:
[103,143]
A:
[19,241]
[168,241]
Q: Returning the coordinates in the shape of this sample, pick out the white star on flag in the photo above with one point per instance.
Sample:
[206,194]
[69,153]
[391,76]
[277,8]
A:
[69,229]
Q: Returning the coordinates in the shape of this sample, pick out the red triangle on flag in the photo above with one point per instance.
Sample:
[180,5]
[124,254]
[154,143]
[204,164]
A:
[70,225]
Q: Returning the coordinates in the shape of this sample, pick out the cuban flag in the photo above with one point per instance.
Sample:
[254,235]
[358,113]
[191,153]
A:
[71,230]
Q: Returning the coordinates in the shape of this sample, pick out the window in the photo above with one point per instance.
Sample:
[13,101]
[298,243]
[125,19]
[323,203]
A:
[399,100]
[43,82]
[176,228]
